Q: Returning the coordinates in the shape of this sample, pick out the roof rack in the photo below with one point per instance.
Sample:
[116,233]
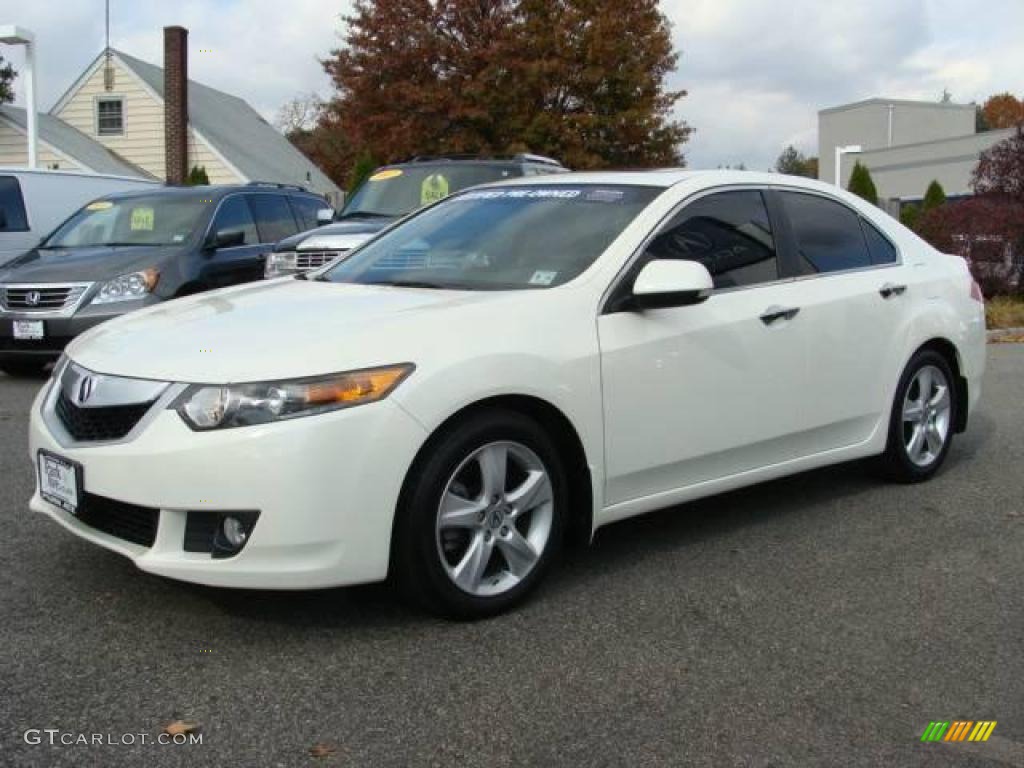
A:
[522,157]
[276,185]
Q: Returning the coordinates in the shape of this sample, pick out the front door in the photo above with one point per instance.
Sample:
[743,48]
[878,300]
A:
[701,392]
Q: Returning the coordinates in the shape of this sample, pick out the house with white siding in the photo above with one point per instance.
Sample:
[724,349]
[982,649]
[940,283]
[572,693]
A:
[126,116]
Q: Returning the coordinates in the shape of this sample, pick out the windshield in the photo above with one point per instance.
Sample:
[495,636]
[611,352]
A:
[145,220]
[535,236]
[397,191]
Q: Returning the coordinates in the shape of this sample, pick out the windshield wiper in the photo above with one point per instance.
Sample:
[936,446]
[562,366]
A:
[364,214]
[416,284]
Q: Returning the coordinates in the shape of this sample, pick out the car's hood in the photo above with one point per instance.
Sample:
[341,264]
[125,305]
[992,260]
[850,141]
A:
[356,230]
[68,265]
[287,328]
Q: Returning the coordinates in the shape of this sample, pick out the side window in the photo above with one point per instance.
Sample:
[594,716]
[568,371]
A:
[305,209]
[828,234]
[881,249]
[274,218]
[727,232]
[234,215]
[12,206]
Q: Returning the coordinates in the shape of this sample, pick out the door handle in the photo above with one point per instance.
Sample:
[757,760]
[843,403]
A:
[774,314]
[891,289]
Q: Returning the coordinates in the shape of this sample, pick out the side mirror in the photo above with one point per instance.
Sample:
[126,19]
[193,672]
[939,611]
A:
[671,283]
[225,238]
[325,216]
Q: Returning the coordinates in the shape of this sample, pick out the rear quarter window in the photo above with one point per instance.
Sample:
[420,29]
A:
[12,206]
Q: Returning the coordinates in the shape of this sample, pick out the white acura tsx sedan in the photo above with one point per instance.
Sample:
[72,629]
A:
[516,365]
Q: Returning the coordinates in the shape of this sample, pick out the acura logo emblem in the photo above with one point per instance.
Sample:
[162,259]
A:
[86,385]
[32,298]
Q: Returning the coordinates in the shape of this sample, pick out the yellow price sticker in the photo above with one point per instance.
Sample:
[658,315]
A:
[142,219]
[434,188]
[99,205]
[391,173]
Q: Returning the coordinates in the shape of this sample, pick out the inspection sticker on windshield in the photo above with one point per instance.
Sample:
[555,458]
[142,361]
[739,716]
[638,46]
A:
[142,219]
[540,277]
[99,205]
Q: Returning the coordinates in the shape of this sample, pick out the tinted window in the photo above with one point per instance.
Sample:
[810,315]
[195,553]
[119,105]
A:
[828,234]
[12,207]
[233,216]
[882,251]
[727,232]
[305,209]
[274,218]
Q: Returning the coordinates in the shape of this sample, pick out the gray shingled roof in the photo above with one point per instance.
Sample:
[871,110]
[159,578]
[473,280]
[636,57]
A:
[237,131]
[73,142]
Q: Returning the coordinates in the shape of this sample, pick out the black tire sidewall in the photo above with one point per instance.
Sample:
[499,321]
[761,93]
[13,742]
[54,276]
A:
[415,560]
[899,461]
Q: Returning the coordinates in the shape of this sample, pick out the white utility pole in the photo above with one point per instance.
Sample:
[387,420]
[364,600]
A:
[13,35]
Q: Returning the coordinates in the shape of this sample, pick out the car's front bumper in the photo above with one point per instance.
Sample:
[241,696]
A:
[326,488]
[59,329]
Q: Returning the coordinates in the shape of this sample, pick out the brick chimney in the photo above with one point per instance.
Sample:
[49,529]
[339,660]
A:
[176,104]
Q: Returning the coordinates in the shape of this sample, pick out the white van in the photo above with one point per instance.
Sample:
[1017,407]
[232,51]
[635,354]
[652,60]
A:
[34,202]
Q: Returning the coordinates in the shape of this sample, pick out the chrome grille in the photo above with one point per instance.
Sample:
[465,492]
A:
[315,259]
[42,298]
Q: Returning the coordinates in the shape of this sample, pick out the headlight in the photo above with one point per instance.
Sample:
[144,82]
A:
[239,405]
[127,287]
[278,264]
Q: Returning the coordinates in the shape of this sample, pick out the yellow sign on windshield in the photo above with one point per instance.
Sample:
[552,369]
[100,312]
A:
[434,188]
[142,219]
[99,205]
[391,173]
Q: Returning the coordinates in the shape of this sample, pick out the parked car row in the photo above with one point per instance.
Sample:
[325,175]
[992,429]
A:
[518,364]
[132,249]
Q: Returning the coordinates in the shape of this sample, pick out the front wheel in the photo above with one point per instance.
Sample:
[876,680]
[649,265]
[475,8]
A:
[923,415]
[481,516]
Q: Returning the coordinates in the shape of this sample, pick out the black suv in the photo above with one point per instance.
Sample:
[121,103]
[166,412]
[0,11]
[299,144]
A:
[391,192]
[131,250]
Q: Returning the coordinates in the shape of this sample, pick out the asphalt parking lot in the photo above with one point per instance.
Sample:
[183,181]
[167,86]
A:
[819,620]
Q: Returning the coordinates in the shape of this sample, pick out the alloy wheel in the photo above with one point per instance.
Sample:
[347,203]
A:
[494,519]
[927,411]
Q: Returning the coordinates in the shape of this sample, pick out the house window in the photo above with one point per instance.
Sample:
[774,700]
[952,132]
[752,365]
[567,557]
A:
[110,116]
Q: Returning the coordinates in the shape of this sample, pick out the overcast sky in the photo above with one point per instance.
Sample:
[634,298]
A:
[757,70]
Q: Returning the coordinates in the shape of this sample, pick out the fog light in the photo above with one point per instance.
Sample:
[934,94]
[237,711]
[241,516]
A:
[234,532]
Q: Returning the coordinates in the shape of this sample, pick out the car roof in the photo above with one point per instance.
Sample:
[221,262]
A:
[207,191]
[669,177]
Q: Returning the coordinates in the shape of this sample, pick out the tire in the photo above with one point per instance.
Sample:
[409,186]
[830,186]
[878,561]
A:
[914,452]
[23,369]
[458,542]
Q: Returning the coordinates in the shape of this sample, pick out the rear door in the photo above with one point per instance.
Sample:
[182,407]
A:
[854,297]
[237,263]
[701,392]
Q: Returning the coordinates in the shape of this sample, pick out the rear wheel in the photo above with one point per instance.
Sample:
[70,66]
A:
[23,368]
[923,415]
[481,517]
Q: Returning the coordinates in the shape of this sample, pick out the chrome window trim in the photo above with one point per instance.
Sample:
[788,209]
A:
[48,409]
[67,311]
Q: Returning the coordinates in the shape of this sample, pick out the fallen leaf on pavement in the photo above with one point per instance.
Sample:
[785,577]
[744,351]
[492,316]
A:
[178,727]
[321,750]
